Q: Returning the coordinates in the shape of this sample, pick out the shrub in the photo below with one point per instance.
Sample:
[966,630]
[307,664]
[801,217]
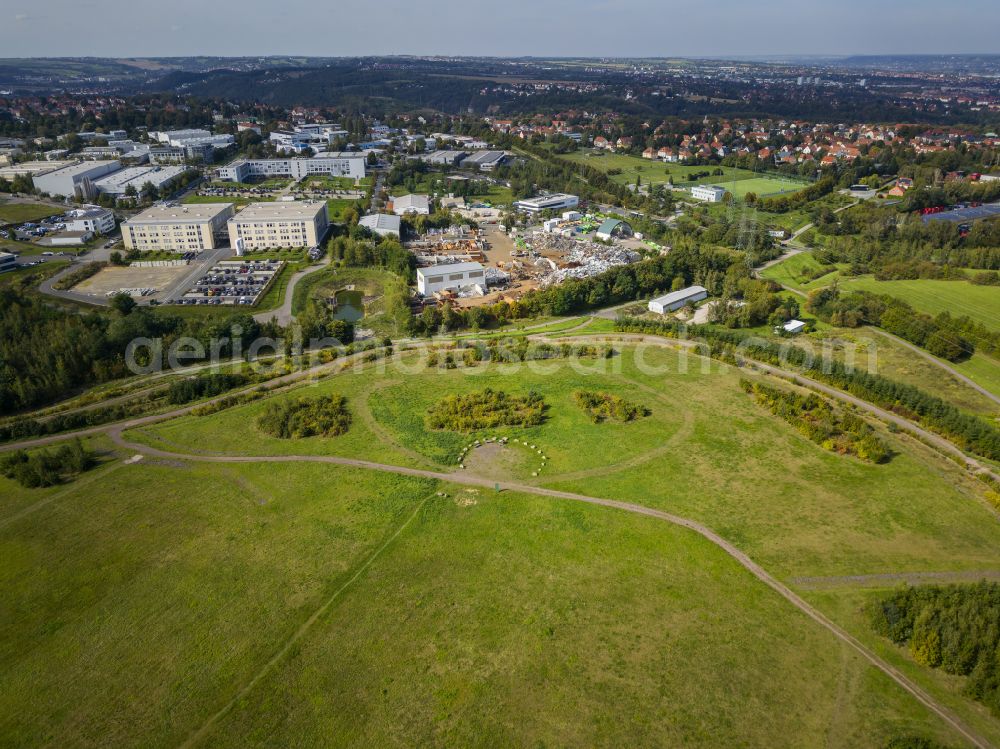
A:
[46,468]
[326,416]
[602,406]
[486,410]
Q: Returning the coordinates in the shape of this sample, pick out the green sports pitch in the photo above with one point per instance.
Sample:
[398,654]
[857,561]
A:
[762,187]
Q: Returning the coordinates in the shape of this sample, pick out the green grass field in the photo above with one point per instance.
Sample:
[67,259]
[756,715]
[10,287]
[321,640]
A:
[793,271]
[16,213]
[294,604]
[981,303]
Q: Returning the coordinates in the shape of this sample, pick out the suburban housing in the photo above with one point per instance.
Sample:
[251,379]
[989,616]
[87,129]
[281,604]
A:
[677,299]
[178,228]
[278,224]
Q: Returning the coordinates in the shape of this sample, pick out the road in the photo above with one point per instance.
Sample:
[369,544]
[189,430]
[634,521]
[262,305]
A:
[284,314]
[704,531]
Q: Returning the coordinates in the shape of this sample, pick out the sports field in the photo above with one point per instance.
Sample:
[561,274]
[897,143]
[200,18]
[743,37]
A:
[651,172]
[302,603]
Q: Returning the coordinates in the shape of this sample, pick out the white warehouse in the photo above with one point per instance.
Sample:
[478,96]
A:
[556,202]
[677,299]
[452,277]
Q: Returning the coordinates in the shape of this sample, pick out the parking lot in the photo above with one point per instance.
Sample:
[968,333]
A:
[233,282]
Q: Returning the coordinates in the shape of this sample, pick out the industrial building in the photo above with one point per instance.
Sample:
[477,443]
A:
[614,228]
[332,164]
[449,158]
[485,161]
[383,224]
[33,168]
[91,219]
[136,177]
[178,228]
[267,225]
[710,193]
[555,202]
[451,277]
[411,204]
[8,261]
[677,299]
[183,138]
[76,179]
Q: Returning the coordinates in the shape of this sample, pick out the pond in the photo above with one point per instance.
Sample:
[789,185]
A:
[350,305]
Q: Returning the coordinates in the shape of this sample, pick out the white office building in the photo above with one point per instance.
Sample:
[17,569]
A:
[91,219]
[709,193]
[556,202]
[282,223]
[330,163]
[178,228]
[677,299]
[450,277]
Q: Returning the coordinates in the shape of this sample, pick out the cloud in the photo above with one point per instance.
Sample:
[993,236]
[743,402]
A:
[21,17]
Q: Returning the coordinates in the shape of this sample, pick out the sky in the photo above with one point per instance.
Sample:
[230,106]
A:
[592,28]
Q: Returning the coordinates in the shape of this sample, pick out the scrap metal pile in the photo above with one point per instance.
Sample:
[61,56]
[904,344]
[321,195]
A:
[577,259]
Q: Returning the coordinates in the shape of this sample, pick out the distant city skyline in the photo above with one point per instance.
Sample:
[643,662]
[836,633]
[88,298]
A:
[590,28]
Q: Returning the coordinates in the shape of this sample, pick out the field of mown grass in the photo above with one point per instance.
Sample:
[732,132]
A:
[141,601]
[960,298]
[305,604]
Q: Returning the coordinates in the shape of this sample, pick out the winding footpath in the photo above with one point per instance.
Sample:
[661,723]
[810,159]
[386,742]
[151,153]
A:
[283,314]
[705,532]
[115,432]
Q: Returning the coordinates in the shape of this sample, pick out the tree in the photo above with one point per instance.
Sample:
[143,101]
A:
[123,304]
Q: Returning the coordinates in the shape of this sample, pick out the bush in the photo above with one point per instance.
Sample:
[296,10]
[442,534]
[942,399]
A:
[486,410]
[602,406]
[326,416]
[45,468]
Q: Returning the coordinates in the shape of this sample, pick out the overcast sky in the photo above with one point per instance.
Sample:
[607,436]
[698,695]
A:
[111,28]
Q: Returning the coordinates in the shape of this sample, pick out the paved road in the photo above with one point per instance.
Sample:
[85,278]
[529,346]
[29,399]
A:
[284,314]
[705,532]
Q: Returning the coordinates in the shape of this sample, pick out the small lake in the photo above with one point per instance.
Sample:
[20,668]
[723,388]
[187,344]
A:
[350,305]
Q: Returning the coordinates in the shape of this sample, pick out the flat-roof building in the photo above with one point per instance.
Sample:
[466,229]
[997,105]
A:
[485,161]
[334,164]
[283,223]
[90,218]
[76,179]
[176,227]
[8,261]
[383,224]
[137,176]
[677,299]
[710,193]
[547,203]
[450,277]
[411,204]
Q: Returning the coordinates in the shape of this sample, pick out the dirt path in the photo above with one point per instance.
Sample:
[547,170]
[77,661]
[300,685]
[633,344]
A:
[743,559]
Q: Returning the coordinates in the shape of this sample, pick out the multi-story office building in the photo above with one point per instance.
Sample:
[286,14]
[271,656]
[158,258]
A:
[329,163]
[91,219]
[290,223]
[178,228]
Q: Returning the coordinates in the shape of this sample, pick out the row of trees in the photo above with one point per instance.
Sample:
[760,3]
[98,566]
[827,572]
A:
[969,432]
